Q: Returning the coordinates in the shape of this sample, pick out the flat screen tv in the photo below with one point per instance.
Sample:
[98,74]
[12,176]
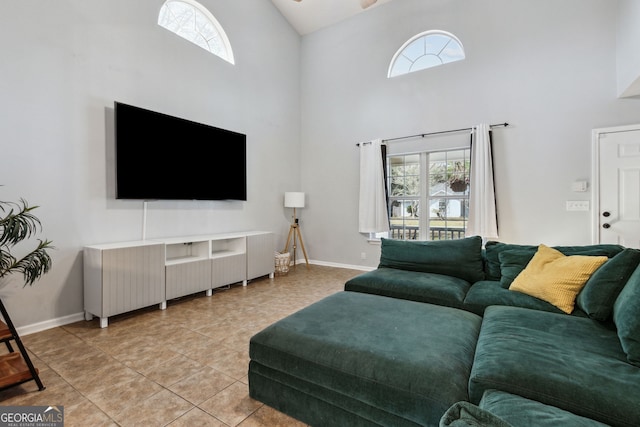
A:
[161,157]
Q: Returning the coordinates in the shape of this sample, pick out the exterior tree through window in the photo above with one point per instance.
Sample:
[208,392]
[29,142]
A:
[429,195]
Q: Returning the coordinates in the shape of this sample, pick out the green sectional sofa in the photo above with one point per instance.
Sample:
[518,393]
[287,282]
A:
[461,274]
[354,359]
[434,336]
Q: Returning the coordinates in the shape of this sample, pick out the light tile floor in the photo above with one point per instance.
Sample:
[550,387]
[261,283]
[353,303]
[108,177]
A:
[183,366]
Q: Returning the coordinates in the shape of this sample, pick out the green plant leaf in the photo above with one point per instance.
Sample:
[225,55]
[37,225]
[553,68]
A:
[17,224]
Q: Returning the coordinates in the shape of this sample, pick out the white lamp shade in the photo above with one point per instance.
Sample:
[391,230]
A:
[293,200]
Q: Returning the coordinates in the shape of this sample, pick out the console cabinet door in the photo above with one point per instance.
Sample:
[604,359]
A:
[133,278]
[123,279]
[188,278]
[228,270]
[260,255]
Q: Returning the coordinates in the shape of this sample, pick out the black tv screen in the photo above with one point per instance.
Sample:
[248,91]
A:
[161,157]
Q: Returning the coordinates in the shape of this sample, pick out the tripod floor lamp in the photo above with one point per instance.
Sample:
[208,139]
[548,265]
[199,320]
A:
[295,200]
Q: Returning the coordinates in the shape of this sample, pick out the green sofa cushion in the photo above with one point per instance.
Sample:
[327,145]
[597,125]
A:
[573,363]
[490,292]
[460,258]
[411,285]
[626,316]
[493,268]
[603,287]
[518,411]
[353,350]
[513,261]
[492,252]
[466,414]
[314,404]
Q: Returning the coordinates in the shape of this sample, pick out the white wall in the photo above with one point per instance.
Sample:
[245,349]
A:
[546,67]
[65,63]
[628,51]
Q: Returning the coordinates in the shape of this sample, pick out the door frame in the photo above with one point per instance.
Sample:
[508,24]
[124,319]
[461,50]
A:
[595,174]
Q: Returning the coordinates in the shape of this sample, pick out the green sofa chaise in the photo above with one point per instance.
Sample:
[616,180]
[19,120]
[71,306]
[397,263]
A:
[435,333]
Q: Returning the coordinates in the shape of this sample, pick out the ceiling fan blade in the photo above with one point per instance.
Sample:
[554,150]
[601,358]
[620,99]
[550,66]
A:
[366,3]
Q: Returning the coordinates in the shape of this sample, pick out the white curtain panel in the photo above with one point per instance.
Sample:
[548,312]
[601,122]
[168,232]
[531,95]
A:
[373,217]
[482,198]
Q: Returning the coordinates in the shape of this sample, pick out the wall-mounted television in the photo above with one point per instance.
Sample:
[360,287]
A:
[162,157]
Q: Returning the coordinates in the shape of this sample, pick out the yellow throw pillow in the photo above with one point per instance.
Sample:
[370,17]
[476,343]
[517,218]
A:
[556,278]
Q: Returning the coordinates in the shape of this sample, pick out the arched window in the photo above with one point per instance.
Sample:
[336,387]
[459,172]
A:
[192,21]
[425,50]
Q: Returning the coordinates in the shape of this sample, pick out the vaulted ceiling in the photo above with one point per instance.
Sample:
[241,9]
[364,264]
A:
[307,16]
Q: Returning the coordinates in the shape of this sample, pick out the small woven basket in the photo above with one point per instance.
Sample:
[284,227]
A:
[283,260]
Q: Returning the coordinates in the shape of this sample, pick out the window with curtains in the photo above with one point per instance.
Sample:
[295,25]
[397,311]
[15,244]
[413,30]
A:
[428,194]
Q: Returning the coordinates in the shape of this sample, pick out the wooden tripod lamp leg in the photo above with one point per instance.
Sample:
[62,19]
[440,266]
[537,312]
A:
[286,247]
[302,245]
[295,200]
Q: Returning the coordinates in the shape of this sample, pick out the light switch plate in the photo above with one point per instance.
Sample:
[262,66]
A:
[577,205]
[579,186]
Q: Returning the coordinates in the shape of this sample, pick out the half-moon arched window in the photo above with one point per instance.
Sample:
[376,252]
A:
[425,50]
[192,21]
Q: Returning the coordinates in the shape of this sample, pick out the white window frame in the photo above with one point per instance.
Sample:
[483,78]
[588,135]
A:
[424,198]
[401,53]
[194,35]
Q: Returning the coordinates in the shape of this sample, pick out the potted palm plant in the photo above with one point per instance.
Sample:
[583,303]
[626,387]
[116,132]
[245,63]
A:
[18,223]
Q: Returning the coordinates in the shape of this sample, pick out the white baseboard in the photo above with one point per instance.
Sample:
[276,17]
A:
[49,324]
[65,320]
[337,265]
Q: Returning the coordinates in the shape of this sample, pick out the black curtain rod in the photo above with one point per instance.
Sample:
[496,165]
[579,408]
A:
[505,124]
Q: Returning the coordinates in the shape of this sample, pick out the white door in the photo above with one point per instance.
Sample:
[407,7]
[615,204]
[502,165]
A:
[617,186]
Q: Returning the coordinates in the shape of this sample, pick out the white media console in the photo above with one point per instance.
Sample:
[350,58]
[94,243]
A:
[122,277]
